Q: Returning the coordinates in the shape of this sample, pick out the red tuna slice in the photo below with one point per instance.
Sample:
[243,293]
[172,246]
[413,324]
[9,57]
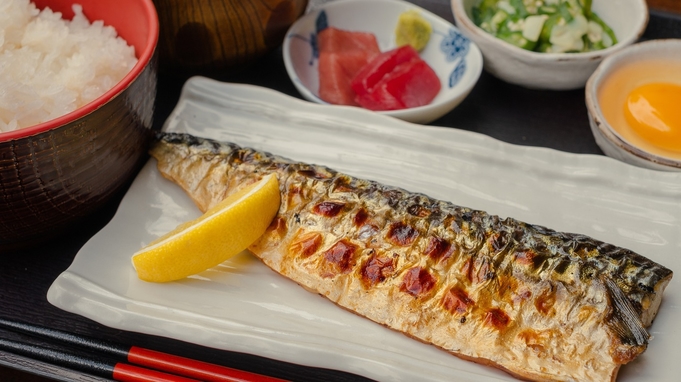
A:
[409,84]
[341,56]
[381,65]
[379,99]
[414,83]
[336,70]
[335,40]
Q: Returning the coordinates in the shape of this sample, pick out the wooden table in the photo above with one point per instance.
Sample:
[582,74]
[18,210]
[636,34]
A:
[558,120]
[665,5]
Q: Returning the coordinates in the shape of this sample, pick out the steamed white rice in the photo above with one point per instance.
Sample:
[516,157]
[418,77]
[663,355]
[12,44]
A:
[50,66]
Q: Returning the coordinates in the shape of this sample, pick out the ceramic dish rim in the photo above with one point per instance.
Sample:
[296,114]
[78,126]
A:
[594,109]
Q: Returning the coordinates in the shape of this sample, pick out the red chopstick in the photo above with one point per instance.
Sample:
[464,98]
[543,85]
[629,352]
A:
[192,368]
[144,357]
[94,365]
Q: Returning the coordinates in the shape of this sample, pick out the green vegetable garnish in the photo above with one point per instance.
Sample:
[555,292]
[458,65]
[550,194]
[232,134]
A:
[558,26]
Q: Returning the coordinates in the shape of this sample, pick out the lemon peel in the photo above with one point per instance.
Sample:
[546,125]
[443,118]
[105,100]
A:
[222,232]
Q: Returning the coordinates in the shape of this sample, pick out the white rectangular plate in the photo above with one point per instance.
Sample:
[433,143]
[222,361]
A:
[243,306]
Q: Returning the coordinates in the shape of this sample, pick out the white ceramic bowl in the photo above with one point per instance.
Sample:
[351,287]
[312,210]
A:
[556,71]
[455,59]
[610,141]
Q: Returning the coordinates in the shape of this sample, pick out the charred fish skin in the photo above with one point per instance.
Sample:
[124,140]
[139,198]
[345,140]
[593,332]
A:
[540,304]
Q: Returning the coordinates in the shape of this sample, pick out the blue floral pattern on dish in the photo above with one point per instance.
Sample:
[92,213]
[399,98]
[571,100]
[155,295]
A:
[321,23]
[457,73]
[455,46]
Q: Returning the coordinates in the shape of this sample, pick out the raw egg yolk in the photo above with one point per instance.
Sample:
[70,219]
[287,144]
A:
[654,112]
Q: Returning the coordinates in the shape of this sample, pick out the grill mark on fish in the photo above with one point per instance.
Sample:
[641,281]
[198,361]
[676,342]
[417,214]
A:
[360,217]
[306,244]
[341,255]
[456,301]
[418,282]
[328,209]
[477,285]
[402,234]
[437,248]
[497,318]
[376,270]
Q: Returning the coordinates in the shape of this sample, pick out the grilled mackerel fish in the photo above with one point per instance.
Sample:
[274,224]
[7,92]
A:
[540,304]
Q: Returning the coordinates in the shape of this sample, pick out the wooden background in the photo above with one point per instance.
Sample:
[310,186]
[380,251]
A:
[666,5]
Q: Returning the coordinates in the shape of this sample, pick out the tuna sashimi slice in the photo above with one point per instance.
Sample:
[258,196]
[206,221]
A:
[394,80]
[379,99]
[342,54]
[333,81]
[335,40]
[367,78]
[414,83]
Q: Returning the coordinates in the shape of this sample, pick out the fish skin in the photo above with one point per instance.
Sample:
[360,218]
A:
[540,304]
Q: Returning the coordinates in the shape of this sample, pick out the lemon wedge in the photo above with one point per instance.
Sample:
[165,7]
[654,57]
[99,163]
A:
[412,29]
[222,232]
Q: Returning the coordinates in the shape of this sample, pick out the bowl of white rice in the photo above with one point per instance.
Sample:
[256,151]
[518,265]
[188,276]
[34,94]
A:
[77,91]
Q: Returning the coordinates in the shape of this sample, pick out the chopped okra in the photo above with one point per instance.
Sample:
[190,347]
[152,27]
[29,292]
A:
[549,26]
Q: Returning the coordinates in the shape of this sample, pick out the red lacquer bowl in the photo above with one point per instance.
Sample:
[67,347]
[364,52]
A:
[59,171]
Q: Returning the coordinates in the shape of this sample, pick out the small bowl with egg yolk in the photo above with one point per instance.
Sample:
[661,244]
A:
[634,104]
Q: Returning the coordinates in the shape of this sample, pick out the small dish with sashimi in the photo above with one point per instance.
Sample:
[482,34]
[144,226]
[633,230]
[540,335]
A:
[389,56]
